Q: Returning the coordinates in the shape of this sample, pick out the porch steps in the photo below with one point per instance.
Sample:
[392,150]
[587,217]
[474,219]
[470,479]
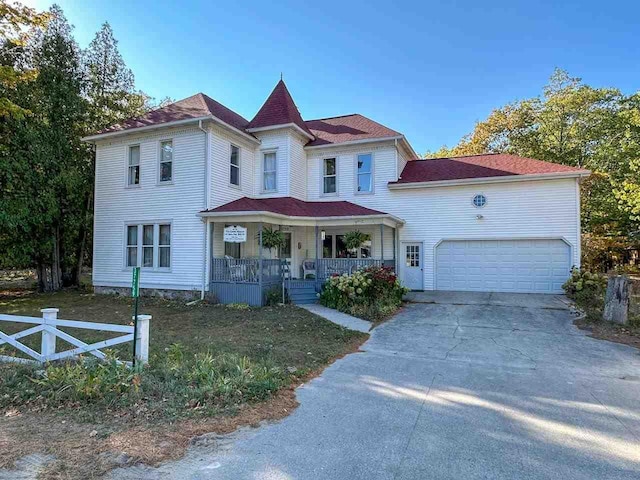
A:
[303,295]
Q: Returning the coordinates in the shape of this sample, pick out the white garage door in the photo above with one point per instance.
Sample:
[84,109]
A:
[529,266]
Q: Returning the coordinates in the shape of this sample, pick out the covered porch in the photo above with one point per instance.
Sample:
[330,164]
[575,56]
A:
[314,247]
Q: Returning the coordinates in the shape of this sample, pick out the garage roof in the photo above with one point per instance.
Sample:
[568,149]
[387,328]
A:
[479,166]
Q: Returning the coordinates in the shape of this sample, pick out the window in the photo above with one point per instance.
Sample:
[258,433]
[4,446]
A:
[147,246]
[154,241]
[327,246]
[132,246]
[164,246]
[285,250]
[479,200]
[166,160]
[329,176]
[133,176]
[234,165]
[269,172]
[365,172]
[413,256]
[342,251]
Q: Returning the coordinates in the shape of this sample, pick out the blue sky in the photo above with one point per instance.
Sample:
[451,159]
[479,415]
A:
[427,69]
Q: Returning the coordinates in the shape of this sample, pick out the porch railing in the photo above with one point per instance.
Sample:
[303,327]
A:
[327,267]
[246,270]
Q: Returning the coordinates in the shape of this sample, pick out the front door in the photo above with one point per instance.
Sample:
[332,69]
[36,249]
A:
[286,251]
[412,266]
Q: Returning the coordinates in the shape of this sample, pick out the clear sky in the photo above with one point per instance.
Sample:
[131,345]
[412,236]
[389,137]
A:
[427,69]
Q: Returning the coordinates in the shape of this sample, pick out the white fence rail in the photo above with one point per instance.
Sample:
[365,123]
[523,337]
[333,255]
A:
[49,324]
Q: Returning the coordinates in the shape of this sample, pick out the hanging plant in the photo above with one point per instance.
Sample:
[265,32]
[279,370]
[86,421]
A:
[271,238]
[355,239]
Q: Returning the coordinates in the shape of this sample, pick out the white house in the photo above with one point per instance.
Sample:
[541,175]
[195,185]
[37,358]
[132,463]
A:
[170,182]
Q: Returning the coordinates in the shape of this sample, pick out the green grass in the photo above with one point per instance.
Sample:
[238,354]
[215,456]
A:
[203,358]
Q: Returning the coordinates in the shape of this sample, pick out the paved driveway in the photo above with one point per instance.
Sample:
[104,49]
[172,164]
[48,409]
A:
[462,386]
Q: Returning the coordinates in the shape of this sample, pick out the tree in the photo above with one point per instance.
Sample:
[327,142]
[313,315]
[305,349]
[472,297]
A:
[15,19]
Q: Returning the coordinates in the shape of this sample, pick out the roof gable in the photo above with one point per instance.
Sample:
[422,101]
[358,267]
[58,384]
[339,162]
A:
[278,109]
[347,128]
[196,106]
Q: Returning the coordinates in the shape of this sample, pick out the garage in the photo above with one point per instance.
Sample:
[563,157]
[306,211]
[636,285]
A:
[524,266]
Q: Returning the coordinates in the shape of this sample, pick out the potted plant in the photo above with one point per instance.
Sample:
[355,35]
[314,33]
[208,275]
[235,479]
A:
[271,239]
[354,240]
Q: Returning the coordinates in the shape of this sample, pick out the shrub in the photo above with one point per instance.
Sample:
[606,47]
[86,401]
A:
[273,297]
[587,290]
[372,293]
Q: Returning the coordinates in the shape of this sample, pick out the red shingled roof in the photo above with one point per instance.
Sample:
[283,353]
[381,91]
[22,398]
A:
[295,208]
[199,105]
[347,128]
[278,109]
[478,166]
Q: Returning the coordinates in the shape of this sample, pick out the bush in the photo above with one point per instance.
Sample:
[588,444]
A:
[372,293]
[587,290]
[273,297]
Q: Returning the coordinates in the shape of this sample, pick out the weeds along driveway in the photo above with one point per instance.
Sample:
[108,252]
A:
[471,386]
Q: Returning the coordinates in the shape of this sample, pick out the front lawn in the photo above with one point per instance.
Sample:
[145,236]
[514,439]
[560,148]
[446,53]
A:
[212,368]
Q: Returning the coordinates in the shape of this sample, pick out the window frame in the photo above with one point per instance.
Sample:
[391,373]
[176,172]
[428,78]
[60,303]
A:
[127,166]
[323,175]
[263,172]
[232,166]
[371,173]
[155,245]
[476,195]
[159,180]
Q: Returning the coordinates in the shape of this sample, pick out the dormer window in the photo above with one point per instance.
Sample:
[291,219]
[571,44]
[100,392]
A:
[329,176]
[269,171]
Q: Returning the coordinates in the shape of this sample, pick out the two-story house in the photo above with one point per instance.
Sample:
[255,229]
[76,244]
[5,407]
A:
[173,185]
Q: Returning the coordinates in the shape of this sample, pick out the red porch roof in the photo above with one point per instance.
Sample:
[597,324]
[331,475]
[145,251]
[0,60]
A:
[293,207]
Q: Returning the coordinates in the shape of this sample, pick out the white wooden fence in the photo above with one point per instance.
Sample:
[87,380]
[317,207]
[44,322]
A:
[49,324]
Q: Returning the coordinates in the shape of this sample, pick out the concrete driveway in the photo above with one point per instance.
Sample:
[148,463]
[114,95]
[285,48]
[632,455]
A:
[457,386]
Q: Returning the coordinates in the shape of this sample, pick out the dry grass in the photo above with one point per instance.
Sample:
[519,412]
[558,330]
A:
[87,442]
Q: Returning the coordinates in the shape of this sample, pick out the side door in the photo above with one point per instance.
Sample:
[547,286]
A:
[411,265]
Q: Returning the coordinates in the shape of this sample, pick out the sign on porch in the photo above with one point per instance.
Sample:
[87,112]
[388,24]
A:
[235,234]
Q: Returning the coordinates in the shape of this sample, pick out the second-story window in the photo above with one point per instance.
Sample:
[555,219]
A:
[329,184]
[234,165]
[166,161]
[269,172]
[133,176]
[365,173]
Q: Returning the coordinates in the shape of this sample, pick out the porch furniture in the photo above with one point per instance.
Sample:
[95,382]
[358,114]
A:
[308,268]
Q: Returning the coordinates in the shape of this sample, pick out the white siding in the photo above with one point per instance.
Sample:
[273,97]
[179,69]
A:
[221,190]
[298,168]
[279,140]
[115,206]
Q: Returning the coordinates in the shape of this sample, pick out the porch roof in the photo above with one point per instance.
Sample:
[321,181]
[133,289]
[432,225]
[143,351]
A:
[295,209]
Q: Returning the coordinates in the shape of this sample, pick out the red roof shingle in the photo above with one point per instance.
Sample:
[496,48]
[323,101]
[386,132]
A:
[293,207]
[196,106]
[278,109]
[478,166]
[347,128]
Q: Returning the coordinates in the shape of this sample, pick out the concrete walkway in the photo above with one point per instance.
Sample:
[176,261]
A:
[503,387]
[347,321]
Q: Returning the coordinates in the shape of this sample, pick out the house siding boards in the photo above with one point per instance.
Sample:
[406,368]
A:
[279,141]
[115,206]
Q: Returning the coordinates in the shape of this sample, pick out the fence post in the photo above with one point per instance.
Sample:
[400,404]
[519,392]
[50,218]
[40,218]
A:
[142,340]
[48,343]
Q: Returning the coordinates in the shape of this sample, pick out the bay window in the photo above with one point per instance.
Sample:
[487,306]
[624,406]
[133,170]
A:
[269,170]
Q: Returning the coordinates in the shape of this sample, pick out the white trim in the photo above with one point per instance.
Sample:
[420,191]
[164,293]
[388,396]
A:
[156,248]
[262,172]
[371,173]
[305,221]
[578,228]
[127,158]
[281,126]
[174,123]
[501,179]
[233,185]
[322,177]
[354,142]
[159,182]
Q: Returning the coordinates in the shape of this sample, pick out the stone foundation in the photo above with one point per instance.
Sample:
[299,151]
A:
[182,295]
